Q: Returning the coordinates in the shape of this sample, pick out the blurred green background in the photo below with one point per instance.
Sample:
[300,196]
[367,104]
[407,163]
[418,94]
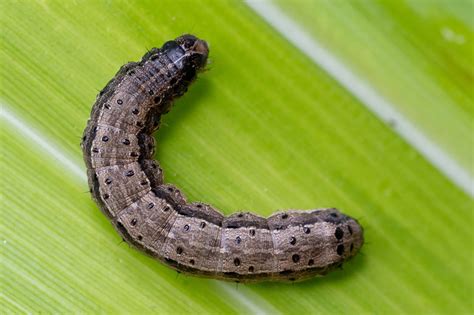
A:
[264,129]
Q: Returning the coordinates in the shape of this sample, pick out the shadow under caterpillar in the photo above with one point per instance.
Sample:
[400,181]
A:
[154,217]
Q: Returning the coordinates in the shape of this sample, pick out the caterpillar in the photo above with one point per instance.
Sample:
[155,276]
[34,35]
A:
[195,238]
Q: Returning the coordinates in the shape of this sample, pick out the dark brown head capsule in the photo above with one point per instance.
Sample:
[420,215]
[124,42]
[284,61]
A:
[187,52]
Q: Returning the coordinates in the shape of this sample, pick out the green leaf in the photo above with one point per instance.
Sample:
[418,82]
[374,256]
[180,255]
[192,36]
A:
[263,129]
[417,54]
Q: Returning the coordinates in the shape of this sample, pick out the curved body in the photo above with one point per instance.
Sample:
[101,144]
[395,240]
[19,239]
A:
[154,217]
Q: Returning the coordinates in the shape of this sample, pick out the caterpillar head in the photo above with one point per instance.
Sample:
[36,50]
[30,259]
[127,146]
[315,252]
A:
[187,52]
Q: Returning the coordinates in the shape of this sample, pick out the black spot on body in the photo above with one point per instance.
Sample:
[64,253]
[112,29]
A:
[252,232]
[151,205]
[135,111]
[292,240]
[105,138]
[340,249]
[307,230]
[237,261]
[119,101]
[295,258]
[179,250]
[130,173]
[126,141]
[310,262]
[238,240]
[202,225]
[251,269]
[339,233]
[186,227]
[133,222]
[108,180]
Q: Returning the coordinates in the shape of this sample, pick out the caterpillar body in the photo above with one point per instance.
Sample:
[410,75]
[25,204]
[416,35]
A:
[154,217]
